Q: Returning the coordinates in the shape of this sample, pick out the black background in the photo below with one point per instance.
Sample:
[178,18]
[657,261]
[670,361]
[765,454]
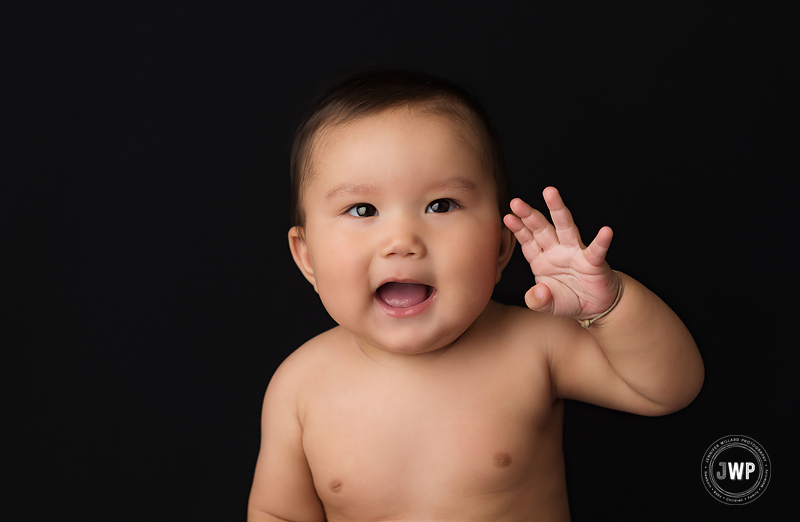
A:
[148,292]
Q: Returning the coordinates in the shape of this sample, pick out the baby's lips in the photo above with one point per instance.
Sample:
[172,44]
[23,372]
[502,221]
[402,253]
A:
[404,298]
[403,294]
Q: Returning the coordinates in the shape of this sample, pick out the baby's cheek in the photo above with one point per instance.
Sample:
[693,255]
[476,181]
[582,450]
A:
[482,250]
[476,269]
[336,269]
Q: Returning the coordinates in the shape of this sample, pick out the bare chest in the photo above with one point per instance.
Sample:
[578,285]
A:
[383,446]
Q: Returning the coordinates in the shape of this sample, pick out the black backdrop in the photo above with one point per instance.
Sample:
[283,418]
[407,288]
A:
[148,292]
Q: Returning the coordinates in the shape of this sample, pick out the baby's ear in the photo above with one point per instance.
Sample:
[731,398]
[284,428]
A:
[507,244]
[297,244]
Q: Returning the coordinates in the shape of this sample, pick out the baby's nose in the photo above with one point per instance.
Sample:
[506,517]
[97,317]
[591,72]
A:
[403,240]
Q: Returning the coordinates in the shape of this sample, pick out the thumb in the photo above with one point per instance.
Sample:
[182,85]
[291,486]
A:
[539,299]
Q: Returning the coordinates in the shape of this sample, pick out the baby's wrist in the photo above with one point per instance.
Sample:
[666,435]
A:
[586,323]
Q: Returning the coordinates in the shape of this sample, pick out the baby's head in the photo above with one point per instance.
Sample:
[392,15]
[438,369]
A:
[398,185]
[374,92]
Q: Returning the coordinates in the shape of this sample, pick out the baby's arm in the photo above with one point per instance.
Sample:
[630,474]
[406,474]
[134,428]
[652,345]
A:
[639,357]
[282,486]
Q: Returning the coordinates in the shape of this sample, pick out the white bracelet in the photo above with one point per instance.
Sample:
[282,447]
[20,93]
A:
[586,323]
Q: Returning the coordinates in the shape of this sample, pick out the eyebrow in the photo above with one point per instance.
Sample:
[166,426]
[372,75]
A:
[358,189]
[454,183]
[353,189]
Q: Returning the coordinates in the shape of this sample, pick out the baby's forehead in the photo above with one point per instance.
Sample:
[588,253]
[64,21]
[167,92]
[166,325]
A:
[455,123]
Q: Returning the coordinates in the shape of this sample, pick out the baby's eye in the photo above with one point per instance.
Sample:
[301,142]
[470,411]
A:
[440,206]
[363,210]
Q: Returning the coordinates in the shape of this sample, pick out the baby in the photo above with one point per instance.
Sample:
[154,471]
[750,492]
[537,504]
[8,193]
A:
[430,401]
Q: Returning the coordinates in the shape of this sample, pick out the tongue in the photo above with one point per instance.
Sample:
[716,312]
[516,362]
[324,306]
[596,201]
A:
[402,295]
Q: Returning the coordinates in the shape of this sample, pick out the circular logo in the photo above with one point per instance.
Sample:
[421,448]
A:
[736,470]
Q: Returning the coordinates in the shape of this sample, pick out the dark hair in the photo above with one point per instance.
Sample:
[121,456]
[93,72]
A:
[370,92]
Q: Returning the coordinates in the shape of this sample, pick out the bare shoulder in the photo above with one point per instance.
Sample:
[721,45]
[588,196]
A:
[535,336]
[304,367]
[307,356]
[523,326]
[525,335]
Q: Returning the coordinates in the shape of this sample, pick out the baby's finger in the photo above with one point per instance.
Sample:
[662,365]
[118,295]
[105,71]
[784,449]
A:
[540,228]
[539,299]
[524,236]
[595,253]
[566,230]
[515,224]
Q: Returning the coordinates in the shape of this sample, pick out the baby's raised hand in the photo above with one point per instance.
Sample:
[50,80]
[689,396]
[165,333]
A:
[572,280]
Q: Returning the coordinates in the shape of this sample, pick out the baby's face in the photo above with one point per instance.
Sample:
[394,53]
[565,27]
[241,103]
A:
[403,238]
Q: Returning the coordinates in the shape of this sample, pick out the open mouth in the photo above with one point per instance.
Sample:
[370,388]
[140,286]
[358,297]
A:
[403,295]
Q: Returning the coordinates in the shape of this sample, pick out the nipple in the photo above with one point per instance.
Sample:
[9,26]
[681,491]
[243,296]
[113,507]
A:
[501,460]
[336,486]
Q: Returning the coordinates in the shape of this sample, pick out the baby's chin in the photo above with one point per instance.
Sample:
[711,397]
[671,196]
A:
[403,351]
